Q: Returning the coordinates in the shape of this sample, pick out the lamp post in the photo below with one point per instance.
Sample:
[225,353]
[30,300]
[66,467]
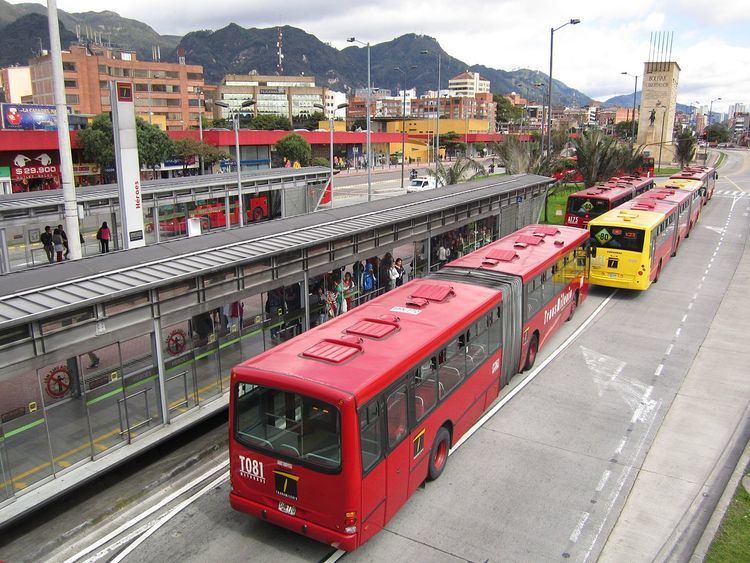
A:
[330,129]
[369,95]
[403,120]
[236,123]
[540,87]
[549,90]
[635,90]
[710,109]
[199,90]
[436,136]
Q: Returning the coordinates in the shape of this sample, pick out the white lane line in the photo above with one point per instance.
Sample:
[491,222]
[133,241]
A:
[677,333]
[621,445]
[639,410]
[335,556]
[581,523]
[669,350]
[147,513]
[621,483]
[695,296]
[124,540]
[684,318]
[660,367]
[603,481]
[517,389]
[168,516]
[690,305]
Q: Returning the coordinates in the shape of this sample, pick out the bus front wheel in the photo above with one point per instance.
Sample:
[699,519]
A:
[531,353]
[439,453]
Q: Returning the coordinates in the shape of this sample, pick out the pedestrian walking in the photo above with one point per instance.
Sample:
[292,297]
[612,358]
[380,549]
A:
[47,244]
[368,280]
[65,241]
[57,241]
[400,270]
[103,235]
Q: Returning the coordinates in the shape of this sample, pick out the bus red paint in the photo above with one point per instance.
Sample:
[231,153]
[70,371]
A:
[332,431]
[589,203]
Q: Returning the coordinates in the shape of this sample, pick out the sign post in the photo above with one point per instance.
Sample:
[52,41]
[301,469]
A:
[126,159]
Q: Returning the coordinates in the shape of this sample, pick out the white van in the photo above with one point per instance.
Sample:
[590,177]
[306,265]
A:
[420,184]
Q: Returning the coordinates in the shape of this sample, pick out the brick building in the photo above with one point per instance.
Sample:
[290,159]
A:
[166,93]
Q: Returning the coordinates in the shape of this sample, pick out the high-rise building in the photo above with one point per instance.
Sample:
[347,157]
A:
[287,96]
[16,83]
[468,84]
[166,93]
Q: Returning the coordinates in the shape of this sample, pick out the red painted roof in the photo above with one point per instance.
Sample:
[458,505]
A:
[381,360]
[531,258]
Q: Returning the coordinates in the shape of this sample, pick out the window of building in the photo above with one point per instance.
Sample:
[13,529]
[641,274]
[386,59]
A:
[174,102]
[103,85]
[72,99]
[195,76]
[139,87]
[194,102]
[71,83]
[173,88]
[140,73]
[158,87]
[103,69]
[172,74]
[69,66]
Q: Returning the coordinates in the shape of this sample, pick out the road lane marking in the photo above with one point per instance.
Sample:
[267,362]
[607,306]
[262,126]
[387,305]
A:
[660,367]
[669,350]
[581,523]
[603,480]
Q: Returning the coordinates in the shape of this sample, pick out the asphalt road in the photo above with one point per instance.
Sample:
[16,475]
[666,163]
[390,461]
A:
[547,476]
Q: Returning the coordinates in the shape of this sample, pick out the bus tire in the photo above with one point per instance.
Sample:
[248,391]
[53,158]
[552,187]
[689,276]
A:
[439,453]
[573,307]
[690,228]
[531,352]
[676,248]
[658,273]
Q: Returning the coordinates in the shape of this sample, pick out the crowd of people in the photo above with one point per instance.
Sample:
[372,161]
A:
[55,242]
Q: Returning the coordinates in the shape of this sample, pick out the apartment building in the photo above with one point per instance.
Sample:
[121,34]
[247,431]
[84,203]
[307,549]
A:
[168,93]
[16,83]
[468,84]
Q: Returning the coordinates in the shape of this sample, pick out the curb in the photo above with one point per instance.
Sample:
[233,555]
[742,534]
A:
[704,544]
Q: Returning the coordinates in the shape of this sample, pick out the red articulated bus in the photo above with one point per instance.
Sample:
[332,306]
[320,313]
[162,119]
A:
[332,431]
[687,205]
[705,175]
[585,205]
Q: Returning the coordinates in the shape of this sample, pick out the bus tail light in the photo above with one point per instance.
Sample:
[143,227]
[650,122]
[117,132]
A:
[640,272]
[350,523]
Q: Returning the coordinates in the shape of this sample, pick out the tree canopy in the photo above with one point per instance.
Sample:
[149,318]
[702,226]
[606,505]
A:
[188,147]
[294,148]
[463,170]
[686,147]
[718,133]
[506,111]
[309,121]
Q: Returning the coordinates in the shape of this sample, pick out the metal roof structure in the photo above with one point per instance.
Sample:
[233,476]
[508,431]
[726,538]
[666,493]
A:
[54,289]
[150,188]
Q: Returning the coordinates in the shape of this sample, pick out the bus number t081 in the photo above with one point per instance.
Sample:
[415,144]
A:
[252,469]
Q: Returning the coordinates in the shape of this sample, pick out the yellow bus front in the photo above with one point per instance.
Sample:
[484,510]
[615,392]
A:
[621,250]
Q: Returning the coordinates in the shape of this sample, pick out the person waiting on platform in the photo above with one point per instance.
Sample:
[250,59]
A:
[103,235]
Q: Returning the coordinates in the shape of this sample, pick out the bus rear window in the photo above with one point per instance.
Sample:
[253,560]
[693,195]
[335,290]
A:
[619,238]
[288,425]
[578,205]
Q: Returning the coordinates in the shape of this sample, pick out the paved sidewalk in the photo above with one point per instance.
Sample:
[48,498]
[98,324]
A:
[697,447]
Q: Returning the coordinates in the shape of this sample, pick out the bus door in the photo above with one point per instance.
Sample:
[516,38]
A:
[424,390]
[397,460]
[371,430]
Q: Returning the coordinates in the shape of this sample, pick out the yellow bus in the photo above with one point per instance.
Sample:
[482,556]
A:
[631,244]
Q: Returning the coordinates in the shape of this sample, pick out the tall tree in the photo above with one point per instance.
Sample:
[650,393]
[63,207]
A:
[187,148]
[520,157]
[599,156]
[294,148]
[506,111]
[718,133]
[154,145]
[462,170]
[686,147]
[310,121]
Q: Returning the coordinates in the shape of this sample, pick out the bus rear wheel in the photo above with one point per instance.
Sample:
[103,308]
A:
[658,272]
[439,453]
[573,307]
[531,352]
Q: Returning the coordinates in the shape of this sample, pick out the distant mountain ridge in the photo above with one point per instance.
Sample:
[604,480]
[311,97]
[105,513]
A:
[237,50]
[626,101]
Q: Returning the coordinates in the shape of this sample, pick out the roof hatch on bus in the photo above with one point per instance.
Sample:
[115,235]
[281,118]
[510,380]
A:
[374,328]
[432,291]
[496,255]
[524,240]
[335,351]
[546,230]
[643,205]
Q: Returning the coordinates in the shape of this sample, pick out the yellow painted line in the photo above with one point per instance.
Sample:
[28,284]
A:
[63,463]
[20,485]
[101,447]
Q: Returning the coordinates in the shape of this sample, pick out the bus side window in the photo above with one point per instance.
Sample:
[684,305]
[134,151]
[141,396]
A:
[452,370]
[476,349]
[398,422]
[425,389]
[370,431]
[495,329]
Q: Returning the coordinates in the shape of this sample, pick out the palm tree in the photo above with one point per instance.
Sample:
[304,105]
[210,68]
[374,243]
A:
[524,158]
[463,170]
[599,156]
[686,147]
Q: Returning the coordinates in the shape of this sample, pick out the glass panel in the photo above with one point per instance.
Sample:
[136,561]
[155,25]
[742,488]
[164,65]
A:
[205,333]
[370,435]
[425,389]
[452,366]
[65,410]
[230,339]
[252,326]
[142,401]
[289,425]
[177,345]
[24,438]
[102,385]
[398,423]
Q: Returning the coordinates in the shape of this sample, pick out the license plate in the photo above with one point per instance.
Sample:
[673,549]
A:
[287,508]
[612,275]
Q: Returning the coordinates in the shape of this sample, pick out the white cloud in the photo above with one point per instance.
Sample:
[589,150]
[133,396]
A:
[504,34]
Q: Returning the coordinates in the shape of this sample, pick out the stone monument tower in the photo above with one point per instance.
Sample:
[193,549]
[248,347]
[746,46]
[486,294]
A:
[659,101]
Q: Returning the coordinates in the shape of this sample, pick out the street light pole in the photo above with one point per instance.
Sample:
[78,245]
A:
[369,138]
[200,128]
[436,136]
[710,109]
[330,129]
[403,121]
[549,90]
[236,123]
[635,90]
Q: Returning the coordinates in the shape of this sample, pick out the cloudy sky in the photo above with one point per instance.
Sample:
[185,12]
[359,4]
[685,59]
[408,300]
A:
[711,43]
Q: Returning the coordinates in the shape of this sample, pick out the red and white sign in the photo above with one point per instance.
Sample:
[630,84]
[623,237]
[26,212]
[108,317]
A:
[33,164]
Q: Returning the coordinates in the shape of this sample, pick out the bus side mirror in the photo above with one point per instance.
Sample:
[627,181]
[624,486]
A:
[592,251]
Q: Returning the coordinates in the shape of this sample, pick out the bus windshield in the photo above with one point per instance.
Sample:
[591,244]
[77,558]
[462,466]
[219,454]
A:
[289,425]
[580,205]
[605,236]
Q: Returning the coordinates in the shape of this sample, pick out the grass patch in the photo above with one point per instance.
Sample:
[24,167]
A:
[732,543]
[557,201]
[722,158]
[666,170]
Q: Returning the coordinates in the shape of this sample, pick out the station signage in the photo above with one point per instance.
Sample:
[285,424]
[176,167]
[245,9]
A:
[28,117]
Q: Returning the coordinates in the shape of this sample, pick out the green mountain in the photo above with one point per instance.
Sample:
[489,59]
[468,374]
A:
[113,29]
[234,49]
[22,39]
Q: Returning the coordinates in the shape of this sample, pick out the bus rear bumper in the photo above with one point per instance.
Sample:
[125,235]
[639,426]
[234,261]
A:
[347,542]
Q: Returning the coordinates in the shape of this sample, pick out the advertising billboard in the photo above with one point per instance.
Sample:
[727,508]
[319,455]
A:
[29,117]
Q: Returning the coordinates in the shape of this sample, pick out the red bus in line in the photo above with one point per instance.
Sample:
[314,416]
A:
[585,205]
[332,431]
[704,175]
